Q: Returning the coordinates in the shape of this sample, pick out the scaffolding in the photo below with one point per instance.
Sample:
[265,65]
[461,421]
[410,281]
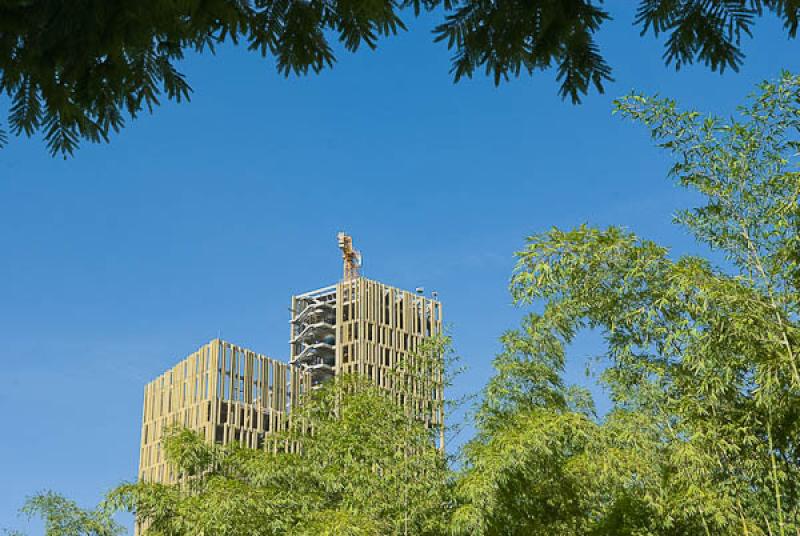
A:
[313,334]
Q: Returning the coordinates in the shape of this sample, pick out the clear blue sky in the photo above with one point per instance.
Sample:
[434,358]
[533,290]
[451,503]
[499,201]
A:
[205,217]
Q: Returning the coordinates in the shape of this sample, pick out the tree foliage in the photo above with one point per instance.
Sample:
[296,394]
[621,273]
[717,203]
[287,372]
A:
[702,358]
[63,517]
[351,464]
[78,70]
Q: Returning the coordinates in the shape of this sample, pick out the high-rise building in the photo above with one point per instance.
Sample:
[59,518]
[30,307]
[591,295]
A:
[363,327]
[357,326]
[226,393]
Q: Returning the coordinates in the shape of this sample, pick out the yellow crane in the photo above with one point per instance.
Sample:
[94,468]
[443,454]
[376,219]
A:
[351,257]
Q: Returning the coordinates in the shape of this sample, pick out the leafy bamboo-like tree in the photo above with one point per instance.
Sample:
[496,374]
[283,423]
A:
[702,358]
[351,464]
[79,69]
[63,517]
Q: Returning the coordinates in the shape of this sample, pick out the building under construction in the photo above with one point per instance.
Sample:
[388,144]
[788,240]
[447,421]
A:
[357,326]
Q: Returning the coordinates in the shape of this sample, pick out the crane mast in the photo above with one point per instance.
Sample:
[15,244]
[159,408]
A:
[350,256]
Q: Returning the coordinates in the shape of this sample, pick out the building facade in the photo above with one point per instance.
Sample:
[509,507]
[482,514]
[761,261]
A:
[375,331]
[230,394]
[226,393]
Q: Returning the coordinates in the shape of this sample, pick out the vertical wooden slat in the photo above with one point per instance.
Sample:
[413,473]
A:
[173,398]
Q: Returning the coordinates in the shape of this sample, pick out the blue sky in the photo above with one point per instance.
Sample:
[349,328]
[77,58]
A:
[204,218]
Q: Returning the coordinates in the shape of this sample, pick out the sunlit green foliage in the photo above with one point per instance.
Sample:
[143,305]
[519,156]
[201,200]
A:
[701,359]
[77,70]
[63,517]
[359,467]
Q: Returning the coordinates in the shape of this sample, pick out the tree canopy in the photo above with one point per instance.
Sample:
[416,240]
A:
[78,70]
[702,359]
[353,463]
[63,517]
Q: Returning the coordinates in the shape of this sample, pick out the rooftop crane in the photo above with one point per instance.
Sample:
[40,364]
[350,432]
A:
[351,257]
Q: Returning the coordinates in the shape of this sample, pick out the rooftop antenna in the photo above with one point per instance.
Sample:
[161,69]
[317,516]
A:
[350,256]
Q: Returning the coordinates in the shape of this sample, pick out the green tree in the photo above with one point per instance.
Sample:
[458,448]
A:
[702,360]
[63,517]
[351,463]
[77,70]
